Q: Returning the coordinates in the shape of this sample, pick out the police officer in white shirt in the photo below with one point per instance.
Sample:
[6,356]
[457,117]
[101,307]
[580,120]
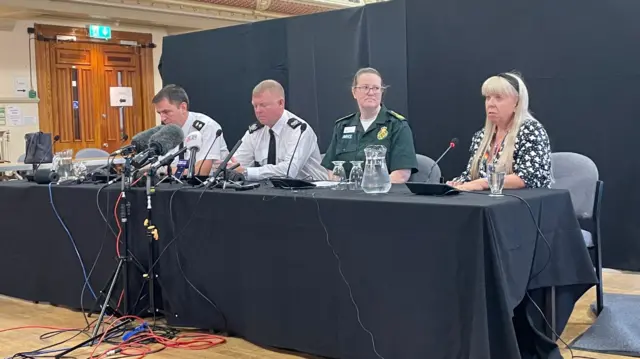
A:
[172,103]
[268,146]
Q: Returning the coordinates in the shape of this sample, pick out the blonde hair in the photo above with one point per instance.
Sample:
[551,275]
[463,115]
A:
[272,86]
[501,85]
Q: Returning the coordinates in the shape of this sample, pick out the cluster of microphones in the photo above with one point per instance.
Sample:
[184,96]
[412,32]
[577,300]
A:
[153,148]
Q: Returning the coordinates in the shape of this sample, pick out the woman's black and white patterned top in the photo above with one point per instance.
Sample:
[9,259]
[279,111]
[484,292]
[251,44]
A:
[531,156]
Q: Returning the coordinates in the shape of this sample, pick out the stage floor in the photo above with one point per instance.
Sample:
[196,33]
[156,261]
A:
[17,313]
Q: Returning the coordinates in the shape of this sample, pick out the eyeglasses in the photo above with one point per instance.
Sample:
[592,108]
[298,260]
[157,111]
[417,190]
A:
[367,88]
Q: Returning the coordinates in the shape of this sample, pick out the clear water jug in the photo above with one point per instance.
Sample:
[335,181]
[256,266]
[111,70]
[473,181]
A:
[376,177]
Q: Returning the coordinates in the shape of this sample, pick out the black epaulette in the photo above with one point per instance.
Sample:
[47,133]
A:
[294,123]
[345,117]
[396,115]
[255,127]
[198,125]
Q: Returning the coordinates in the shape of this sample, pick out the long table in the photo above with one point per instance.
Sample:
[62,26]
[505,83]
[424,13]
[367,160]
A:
[436,277]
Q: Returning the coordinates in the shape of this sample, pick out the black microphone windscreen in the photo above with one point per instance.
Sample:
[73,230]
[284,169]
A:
[56,138]
[141,140]
[303,127]
[218,133]
[169,137]
[454,141]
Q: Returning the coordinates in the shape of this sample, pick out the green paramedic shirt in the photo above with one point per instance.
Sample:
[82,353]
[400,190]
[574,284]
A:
[390,129]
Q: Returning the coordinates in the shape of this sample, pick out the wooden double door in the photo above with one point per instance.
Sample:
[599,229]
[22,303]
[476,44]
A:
[74,81]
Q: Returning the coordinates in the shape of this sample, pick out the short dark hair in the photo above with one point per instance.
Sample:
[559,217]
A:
[172,93]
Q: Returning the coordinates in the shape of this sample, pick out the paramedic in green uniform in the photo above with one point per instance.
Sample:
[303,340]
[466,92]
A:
[374,124]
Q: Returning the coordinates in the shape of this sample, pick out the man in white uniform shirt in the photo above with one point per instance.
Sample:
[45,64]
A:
[172,103]
[268,146]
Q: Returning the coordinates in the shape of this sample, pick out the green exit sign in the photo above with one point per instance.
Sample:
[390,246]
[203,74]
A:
[100,32]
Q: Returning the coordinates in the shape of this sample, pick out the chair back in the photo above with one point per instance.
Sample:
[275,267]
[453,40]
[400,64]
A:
[21,158]
[91,153]
[578,174]
[424,166]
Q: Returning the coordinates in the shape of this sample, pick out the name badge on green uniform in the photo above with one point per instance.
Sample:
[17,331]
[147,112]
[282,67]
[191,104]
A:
[349,129]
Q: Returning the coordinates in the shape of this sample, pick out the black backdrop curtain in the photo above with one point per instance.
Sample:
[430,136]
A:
[314,57]
[579,60]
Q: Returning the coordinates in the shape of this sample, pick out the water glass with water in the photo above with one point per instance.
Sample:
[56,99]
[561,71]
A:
[355,176]
[495,175]
[339,175]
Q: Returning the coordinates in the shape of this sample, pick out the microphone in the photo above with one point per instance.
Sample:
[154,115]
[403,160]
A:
[222,165]
[287,182]
[303,127]
[169,159]
[167,138]
[56,138]
[193,142]
[218,134]
[139,142]
[452,144]
[125,137]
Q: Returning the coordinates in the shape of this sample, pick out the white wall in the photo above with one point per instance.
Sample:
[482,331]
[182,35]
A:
[15,63]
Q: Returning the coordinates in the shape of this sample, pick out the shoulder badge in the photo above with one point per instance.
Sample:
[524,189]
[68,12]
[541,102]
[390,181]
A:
[345,117]
[198,125]
[255,127]
[294,123]
[396,115]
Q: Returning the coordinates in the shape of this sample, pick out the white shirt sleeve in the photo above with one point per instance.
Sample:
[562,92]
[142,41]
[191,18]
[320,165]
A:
[245,154]
[210,144]
[300,158]
[224,150]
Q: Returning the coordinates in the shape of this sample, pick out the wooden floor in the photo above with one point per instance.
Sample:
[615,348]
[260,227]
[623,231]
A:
[16,313]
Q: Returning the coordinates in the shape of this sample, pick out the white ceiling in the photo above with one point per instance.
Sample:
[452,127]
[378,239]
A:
[174,18]
[174,15]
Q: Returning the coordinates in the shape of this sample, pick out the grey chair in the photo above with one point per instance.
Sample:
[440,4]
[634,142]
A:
[91,153]
[21,158]
[579,175]
[424,166]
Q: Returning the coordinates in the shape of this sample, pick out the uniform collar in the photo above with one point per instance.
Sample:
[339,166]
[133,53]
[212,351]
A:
[188,123]
[277,128]
[381,119]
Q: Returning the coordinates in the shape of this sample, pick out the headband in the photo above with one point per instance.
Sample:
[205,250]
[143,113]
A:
[511,80]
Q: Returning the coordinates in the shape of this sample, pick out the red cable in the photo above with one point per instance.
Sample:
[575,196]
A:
[115,215]
[133,347]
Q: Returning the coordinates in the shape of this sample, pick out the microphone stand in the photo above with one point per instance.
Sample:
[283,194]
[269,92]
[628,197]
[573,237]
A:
[213,179]
[123,258]
[170,176]
[152,236]
[125,186]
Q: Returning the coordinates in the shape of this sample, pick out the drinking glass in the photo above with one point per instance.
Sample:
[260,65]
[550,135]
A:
[339,174]
[495,176]
[355,177]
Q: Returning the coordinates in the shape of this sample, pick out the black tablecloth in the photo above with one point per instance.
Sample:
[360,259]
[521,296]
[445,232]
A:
[436,277]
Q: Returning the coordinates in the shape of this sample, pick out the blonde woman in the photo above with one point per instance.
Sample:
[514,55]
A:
[511,137]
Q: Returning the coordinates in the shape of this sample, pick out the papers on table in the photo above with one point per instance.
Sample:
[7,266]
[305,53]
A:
[325,184]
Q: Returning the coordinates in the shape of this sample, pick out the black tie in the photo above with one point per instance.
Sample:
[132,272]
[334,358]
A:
[181,156]
[271,157]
